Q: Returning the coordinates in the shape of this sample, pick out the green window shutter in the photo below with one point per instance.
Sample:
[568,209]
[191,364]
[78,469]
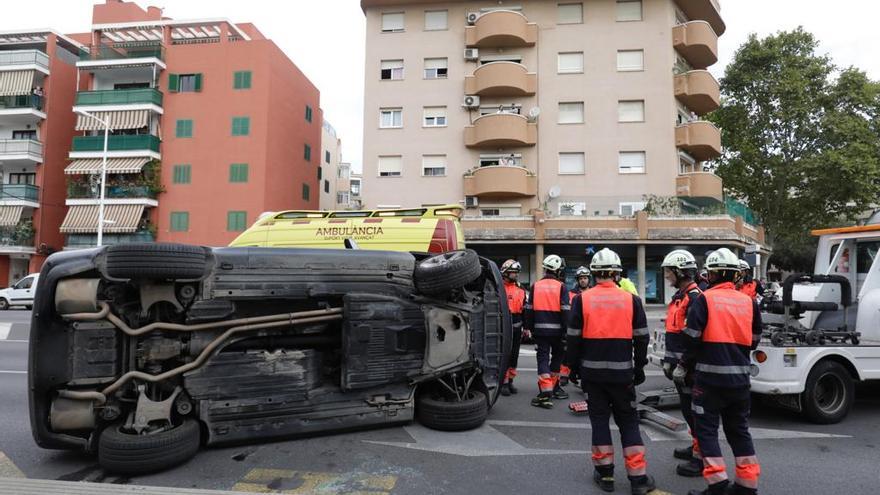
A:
[242,79]
[198,83]
[241,126]
[246,80]
[182,174]
[238,172]
[236,221]
[179,221]
[308,113]
[307,153]
[236,80]
[184,128]
[305,192]
[173,83]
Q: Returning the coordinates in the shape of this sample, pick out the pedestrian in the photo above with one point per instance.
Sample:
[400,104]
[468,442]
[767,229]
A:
[608,339]
[680,270]
[723,327]
[516,301]
[546,313]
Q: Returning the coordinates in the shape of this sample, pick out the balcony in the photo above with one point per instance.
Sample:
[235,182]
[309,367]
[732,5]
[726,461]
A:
[84,190]
[501,79]
[20,151]
[704,10]
[700,188]
[20,194]
[21,110]
[500,130]
[501,28]
[698,90]
[122,51]
[699,138]
[19,235]
[141,96]
[501,181]
[24,60]
[131,142]
[79,241]
[697,42]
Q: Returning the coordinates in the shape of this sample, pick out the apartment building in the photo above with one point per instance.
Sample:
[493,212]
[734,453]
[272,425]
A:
[211,125]
[37,84]
[333,174]
[553,123]
[354,184]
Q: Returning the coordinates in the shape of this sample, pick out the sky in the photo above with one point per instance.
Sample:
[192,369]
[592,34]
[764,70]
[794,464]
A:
[325,38]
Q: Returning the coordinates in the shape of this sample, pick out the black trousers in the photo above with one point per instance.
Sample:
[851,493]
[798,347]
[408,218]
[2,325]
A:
[729,407]
[514,355]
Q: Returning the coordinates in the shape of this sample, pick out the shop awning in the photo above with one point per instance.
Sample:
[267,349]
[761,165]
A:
[119,219]
[114,166]
[16,82]
[122,119]
[10,215]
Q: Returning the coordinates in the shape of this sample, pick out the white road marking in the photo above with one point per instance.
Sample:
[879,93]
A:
[14,341]
[13,372]
[647,372]
[5,328]
[8,469]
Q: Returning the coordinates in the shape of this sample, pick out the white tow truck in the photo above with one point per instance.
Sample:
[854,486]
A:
[821,331]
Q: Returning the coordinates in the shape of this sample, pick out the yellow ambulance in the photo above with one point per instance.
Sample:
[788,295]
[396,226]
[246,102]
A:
[432,229]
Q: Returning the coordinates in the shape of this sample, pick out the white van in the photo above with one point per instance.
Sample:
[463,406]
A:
[20,293]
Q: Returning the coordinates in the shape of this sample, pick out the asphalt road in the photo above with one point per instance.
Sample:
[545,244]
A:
[521,450]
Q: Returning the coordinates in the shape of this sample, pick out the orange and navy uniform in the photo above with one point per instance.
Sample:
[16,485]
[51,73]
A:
[723,326]
[751,288]
[516,302]
[547,307]
[676,322]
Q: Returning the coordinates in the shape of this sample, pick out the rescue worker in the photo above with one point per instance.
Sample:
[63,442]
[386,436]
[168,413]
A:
[680,270]
[546,313]
[608,338]
[582,276]
[747,284]
[626,284]
[723,326]
[516,301]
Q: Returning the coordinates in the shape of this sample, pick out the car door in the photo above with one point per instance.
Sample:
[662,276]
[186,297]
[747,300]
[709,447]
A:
[22,291]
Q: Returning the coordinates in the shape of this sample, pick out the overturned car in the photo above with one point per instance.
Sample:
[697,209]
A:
[141,353]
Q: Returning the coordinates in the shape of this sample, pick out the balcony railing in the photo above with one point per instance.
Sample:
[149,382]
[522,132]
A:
[697,43]
[501,79]
[21,235]
[117,143]
[123,51]
[91,240]
[501,28]
[119,97]
[86,191]
[22,101]
[20,147]
[19,192]
[698,90]
[25,57]
[500,130]
[501,181]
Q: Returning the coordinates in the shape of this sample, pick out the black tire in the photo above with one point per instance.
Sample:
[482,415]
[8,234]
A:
[4,304]
[777,339]
[447,271]
[438,413]
[120,452]
[156,261]
[829,394]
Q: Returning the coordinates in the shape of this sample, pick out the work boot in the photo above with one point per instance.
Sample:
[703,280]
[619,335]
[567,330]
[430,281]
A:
[605,482]
[505,389]
[559,392]
[719,488]
[512,389]
[737,489]
[543,400]
[684,453]
[563,380]
[690,469]
[642,484]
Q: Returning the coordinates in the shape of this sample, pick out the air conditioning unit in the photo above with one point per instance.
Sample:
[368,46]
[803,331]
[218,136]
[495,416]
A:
[471,101]
[472,54]
[471,202]
[472,18]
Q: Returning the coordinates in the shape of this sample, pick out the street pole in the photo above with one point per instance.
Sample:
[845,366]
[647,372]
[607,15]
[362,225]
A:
[106,124]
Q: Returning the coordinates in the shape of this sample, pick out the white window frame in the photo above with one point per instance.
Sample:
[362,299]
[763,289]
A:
[636,206]
[620,104]
[632,170]
[434,120]
[392,173]
[402,27]
[560,7]
[425,165]
[630,68]
[559,68]
[579,120]
[445,20]
[640,17]
[391,112]
[512,210]
[572,154]
[435,72]
[346,195]
[579,208]
[394,68]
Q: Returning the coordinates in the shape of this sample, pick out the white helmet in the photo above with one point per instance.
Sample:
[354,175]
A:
[744,265]
[582,271]
[681,259]
[553,263]
[606,260]
[511,266]
[722,260]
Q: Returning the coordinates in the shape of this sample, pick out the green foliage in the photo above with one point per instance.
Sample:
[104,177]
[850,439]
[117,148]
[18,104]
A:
[801,139]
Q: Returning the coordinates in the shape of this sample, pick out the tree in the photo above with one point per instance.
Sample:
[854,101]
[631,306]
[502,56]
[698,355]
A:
[801,139]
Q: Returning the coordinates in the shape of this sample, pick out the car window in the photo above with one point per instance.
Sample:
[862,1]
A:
[25,283]
[866,253]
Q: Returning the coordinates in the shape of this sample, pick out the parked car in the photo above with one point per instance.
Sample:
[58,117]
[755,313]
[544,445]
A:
[142,353]
[20,293]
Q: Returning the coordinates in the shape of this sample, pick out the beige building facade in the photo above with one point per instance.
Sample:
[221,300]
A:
[553,123]
[333,173]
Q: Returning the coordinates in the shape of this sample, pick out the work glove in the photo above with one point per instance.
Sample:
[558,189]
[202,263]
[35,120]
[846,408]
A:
[667,370]
[638,376]
[679,375]
[526,335]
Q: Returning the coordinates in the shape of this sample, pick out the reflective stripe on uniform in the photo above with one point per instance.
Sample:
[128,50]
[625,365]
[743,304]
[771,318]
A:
[697,409]
[673,355]
[747,471]
[517,324]
[634,458]
[566,307]
[640,332]
[574,332]
[608,365]
[722,370]
[690,332]
[550,326]
[714,470]
[603,455]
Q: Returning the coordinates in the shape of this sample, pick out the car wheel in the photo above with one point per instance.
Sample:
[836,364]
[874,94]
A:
[440,413]
[156,261]
[4,304]
[447,271]
[829,393]
[123,452]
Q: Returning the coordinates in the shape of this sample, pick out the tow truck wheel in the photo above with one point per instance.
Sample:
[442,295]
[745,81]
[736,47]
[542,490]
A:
[829,393]
[777,339]
[814,337]
[120,451]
